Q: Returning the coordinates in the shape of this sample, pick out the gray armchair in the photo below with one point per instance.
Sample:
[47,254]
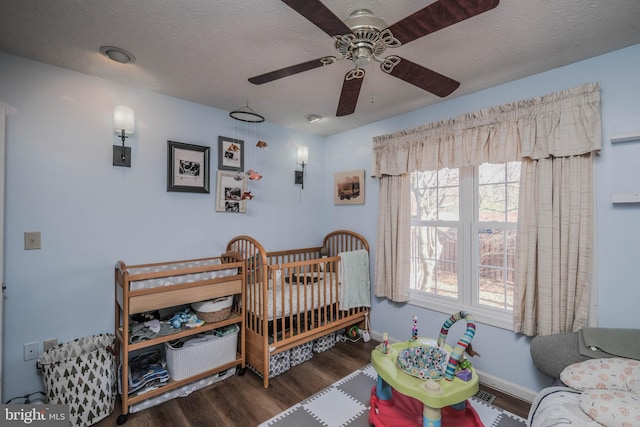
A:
[551,354]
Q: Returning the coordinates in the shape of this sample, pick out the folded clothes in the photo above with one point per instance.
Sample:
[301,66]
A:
[140,332]
[154,325]
[144,369]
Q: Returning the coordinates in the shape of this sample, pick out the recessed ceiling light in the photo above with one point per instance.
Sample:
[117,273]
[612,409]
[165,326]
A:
[312,118]
[117,54]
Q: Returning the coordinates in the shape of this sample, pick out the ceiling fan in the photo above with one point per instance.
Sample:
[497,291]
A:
[363,37]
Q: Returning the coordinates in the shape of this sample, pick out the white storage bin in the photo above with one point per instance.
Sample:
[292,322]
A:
[191,360]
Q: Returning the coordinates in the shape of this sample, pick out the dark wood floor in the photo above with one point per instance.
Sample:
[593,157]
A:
[242,400]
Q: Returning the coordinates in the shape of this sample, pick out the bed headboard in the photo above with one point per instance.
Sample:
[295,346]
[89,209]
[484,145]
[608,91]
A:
[344,241]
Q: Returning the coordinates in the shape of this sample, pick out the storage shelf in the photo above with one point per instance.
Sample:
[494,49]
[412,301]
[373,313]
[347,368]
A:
[625,137]
[625,198]
[195,289]
[235,318]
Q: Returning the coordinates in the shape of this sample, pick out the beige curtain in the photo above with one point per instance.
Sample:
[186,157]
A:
[553,256]
[394,225]
[557,125]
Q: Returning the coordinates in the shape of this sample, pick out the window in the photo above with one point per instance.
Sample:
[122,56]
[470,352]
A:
[463,237]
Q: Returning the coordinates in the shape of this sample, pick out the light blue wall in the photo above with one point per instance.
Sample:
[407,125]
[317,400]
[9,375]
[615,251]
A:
[504,354]
[60,181]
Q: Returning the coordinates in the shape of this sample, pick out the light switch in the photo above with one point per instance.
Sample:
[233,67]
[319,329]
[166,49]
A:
[32,240]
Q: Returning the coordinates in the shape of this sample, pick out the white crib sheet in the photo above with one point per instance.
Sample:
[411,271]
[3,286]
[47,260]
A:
[289,298]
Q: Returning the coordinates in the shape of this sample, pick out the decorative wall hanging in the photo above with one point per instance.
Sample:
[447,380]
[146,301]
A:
[232,192]
[230,154]
[187,167]
[348,188]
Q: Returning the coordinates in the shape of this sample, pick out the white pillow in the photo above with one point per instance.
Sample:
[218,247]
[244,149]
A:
[611,387]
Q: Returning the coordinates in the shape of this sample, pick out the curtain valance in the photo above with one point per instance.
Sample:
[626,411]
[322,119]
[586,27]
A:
[560,124]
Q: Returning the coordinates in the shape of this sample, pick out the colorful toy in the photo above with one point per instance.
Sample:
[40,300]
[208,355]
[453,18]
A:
[385,342]
[402,399]
[186,318]
[414,330]
[246,195]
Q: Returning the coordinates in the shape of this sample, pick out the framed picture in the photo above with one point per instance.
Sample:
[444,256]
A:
[231,187]
[230,154]
[348,188]
[187,167]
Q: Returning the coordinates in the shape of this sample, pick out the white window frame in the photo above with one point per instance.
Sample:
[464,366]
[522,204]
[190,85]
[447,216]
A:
[467,245]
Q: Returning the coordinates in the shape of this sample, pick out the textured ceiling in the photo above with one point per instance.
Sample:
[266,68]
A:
[205,50]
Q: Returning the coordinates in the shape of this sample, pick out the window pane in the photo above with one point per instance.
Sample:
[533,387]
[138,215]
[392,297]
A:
[435,195]
[496,260]
[513,194]
[490,174]
[449,204]
[448,177]
[494,291]
[434,261]
[491,203]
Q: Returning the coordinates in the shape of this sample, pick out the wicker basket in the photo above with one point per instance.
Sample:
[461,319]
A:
[215,310]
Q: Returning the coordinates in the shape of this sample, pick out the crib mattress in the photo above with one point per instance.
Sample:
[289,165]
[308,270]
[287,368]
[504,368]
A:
[177,279]
[296,298]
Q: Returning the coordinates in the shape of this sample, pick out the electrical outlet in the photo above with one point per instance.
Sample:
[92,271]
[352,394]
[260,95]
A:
[49,344]
[31,351]
[32,240]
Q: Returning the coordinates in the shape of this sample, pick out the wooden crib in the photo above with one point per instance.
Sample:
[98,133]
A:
[293,296]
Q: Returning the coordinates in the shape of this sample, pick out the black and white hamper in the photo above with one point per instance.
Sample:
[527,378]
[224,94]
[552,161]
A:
[82,374]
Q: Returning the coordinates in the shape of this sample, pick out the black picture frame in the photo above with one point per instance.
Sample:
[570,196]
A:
[230,154]
[187,167]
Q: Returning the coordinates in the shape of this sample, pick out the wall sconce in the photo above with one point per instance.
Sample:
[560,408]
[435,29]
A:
[123,123]
[303,159]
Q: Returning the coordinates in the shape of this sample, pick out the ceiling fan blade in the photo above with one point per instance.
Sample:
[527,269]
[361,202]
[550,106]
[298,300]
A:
[291,70]
[419,76]
[350,92]
[320,15]
[437,16]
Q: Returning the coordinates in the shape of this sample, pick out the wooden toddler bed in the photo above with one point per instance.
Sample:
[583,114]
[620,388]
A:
[294,296]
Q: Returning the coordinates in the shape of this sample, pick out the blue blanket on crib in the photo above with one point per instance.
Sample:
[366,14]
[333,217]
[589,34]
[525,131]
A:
[355,286]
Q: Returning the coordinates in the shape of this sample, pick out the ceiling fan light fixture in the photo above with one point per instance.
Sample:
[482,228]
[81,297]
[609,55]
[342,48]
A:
[361,56]
[117,54]
[314,118]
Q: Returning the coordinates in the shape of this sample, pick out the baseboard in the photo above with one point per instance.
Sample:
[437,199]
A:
[506,387]
[492,381]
